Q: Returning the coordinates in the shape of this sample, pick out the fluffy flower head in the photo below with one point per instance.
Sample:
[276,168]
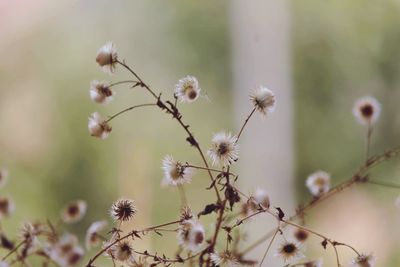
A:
[263,100]
[175,173]
[366,110]
[224,149]
[107,57]
[364,261]
[191,235]
[98,127]
[187,89]
[289,251]
[100,92]
[318,183]
[74,211]
[92,235]
[224,259]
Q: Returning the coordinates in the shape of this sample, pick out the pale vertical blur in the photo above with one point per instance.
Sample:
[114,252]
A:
[261,56]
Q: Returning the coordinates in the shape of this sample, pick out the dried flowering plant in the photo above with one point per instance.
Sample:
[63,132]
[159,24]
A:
[195,244]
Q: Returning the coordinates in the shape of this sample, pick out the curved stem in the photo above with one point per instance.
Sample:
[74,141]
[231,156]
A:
[137,77]
[176,115]
[128,109]
[269,246]
[368,141]
[13,250]
[358,177]
[207,169]
[385,184]
[244,124]
[122,82]
[130,234]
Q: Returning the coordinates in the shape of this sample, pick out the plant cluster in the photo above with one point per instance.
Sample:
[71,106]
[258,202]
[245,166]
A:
[222,245]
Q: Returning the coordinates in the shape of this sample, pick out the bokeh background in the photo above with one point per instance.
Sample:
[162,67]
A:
[325,54]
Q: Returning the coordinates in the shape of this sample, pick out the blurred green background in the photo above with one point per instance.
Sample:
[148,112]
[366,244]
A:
[341,50]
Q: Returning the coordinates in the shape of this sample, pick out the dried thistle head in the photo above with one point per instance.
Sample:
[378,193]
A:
[100,92]
[263,100]
[175,173]
[123,210]
[98,127]
[74,211]
[224,149]
[187,89]
[367,110]
[107,57]
[318,183]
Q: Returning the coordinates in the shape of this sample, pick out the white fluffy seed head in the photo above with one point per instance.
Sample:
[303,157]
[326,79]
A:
[263,100]
[364,260]
[224,149]
[258,199]
[191,235]
[225,259]
[175,173]
[66,251]
[107,57]
[318,183]
[289,251]
[187,90]
[366,110]
[74,211]
[93,237]
[98,127]
[100,92]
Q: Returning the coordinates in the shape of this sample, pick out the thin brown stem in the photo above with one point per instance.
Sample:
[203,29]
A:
[129,109]
[384,183]
[13,250]
[368,141]
[269,246]
[244,124]
[137,77]
[176,115]
[130,234]
[208,169]
[358,177]
[122,82]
